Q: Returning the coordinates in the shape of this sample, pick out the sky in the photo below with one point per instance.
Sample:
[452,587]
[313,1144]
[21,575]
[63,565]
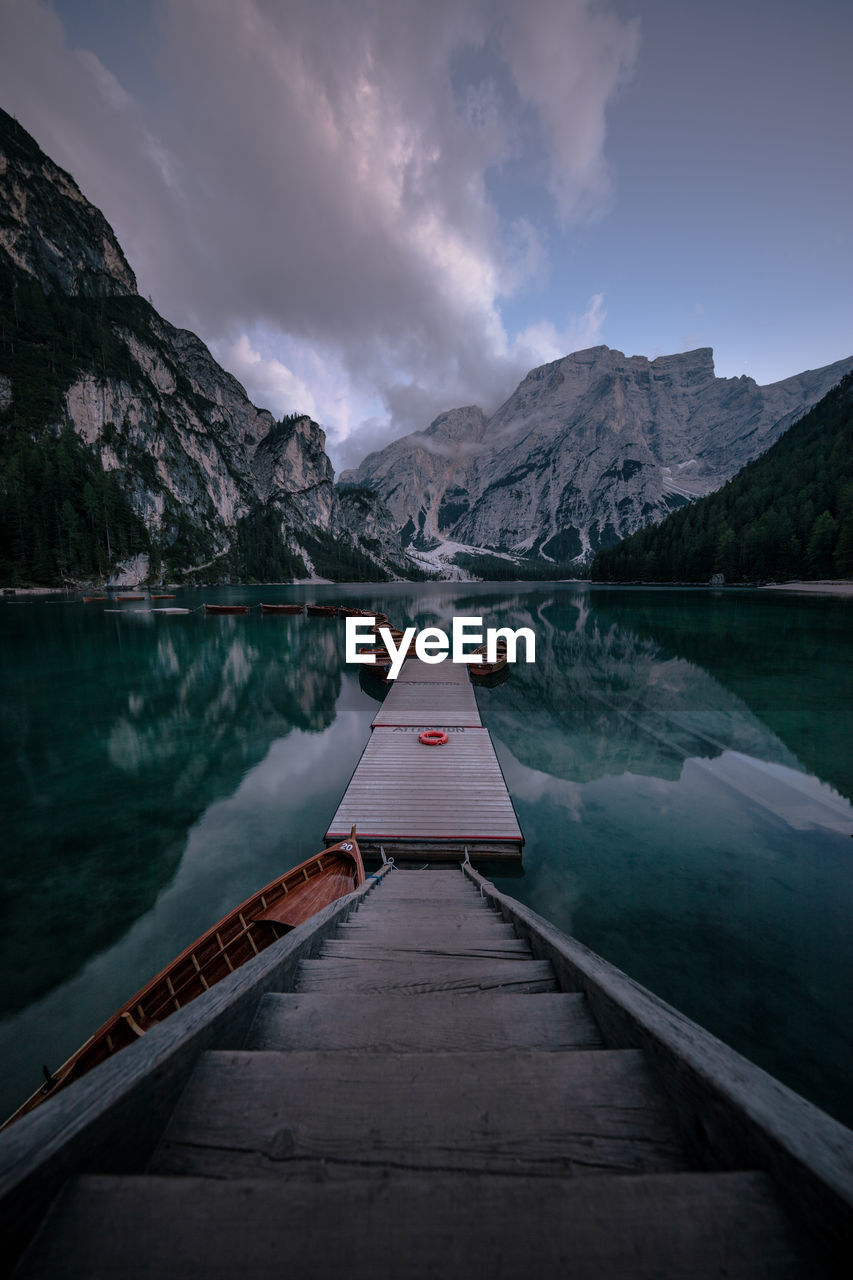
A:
[373,211]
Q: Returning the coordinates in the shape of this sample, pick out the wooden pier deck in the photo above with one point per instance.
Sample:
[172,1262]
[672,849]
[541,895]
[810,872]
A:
[405,797]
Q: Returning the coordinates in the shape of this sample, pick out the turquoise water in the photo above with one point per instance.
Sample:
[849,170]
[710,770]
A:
[681,763]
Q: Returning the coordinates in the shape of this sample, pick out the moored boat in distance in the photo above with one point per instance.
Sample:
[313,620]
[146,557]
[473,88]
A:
[95,599]
[281,608]
[159,595]
[321,610]
[226,608]
[250,928]
[133,596]
[488,670]
[381,665]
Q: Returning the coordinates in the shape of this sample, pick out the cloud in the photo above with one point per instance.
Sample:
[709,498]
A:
[542,342]
[268,382]
[317,175]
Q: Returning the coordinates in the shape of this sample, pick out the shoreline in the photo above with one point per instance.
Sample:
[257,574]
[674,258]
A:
[826,587]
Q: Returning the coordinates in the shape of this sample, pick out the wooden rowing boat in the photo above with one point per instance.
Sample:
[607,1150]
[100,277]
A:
[131,597]
[281,608]
[488,670]
[245,932]
[226,608]
[94,599]
[159,595]
[321,610]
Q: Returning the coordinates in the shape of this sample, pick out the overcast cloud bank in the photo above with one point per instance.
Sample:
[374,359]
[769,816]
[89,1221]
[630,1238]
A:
[307,186]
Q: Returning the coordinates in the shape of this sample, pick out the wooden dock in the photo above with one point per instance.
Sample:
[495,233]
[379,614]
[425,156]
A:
[430,1081]
[430,802]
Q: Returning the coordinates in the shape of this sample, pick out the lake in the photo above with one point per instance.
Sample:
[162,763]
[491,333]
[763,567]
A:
[681,763]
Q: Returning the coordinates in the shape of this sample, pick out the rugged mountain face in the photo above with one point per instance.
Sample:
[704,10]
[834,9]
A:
[49,229]
[787,515]
[586,450]
[206,480]
[425,478]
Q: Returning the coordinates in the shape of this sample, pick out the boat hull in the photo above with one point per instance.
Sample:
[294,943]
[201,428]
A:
[490,672]
[244,933]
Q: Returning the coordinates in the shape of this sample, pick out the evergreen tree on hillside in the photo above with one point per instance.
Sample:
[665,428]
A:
[788,514]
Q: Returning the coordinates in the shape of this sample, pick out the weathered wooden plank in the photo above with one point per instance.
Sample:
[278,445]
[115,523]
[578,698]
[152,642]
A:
[451,896]
[247,1114]
[449,892]
[447,883]
[430,973]
[409,919]
[390,929]
[427,918]
[460,948]
[410,692]
[416,703]
[432,1024]
[448,905]
[452,673]
[449,887]
[734,1114]
[665,1227]
[401,913]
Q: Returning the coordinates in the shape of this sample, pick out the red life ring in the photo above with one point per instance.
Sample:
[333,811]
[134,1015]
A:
[433,737]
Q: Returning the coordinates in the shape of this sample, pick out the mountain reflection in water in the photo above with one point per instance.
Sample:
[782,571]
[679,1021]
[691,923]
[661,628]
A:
[667,759]
[601,700]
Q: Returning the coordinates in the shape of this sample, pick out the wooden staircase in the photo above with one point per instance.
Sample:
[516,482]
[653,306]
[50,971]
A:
[425,1103]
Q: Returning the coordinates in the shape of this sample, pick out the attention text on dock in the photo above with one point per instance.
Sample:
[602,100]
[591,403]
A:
[434,645]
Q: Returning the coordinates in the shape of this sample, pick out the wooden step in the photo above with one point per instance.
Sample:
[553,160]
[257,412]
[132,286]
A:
[419,1226]
[439,944]
[432,1024]
[433,877]
[424,914]
[392,928]
[313,1113]
[422,974]
[432,885]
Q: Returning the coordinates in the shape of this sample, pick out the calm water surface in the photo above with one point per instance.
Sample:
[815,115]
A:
[681,763]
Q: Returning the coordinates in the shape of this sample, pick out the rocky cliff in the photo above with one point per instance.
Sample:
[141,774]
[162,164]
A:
[197,477]
[586,450]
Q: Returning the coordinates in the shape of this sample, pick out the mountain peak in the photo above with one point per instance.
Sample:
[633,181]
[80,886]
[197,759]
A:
[588,448]
[50,230]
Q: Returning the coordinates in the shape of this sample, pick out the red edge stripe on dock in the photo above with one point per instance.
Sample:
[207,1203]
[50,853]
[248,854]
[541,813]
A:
[439,724]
